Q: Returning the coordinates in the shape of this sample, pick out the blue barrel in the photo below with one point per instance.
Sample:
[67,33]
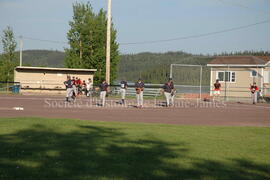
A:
[16,89]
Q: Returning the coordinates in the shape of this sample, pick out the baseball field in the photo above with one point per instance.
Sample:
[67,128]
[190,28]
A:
[40,141]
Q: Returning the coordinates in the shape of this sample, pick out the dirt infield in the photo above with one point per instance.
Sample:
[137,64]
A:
[186,112]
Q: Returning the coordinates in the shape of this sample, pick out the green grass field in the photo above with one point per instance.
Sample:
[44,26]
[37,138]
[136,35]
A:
[35,148]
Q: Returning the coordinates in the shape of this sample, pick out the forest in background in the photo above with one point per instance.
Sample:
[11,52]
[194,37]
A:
[155,67]
[151,67]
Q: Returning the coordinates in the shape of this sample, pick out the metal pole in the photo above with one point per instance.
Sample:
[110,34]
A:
[7,82]
[262,81]
[211,80]
[224,77]
[108,48]
[21,48]
[201,83]
[229,79]
[171,70]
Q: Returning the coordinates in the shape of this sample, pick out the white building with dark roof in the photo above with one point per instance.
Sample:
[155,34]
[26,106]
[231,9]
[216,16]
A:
[45,79]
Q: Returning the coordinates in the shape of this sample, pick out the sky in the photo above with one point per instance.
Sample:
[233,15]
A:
[147,20]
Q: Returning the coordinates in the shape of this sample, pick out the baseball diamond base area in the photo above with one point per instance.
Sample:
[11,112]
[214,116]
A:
[185,113]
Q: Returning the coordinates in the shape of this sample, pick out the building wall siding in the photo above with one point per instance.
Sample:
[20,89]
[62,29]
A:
[47,79]
[243,79]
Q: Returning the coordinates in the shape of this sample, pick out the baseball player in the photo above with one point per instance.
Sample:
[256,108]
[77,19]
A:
[123,89]
[260,96]
[253,89]
[169,92]
[103,91]
[139,87]
[217,87]
[84,91]
[89,87]
[78,86]
[69,86]
[74,94]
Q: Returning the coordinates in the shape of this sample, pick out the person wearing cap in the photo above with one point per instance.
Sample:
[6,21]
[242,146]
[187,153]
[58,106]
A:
[217,87]
[69,87]
[139,87]
[123,89]
[253,89]
[103,91]
[169,92]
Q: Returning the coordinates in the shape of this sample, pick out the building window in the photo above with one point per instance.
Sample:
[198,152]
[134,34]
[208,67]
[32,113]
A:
[226,76]
[253,73]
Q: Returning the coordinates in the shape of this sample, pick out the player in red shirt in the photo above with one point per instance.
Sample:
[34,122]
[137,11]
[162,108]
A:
[253,89]
[217,87]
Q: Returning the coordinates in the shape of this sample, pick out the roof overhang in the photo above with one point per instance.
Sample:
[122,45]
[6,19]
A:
[236,65]
[53,69]
[267,64]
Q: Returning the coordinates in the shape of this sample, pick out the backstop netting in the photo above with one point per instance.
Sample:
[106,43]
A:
[191,81]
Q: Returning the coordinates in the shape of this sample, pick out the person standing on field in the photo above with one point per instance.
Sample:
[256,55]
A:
[69,86]
[103,91]
[217,87]
[123,89]
[139,87]
[253,89]
[74,94]
[169,92]
[89,87]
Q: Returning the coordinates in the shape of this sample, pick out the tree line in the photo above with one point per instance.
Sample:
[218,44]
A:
[155,67]
[87,49]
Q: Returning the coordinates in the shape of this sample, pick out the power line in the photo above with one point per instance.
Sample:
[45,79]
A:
[237,4]
[45,40]
[166,40]
[197,35]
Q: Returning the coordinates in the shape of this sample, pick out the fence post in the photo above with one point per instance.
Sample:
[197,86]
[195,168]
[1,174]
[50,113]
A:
[211,80]
[201,82]
[229,79]
[225,93]
[171,70]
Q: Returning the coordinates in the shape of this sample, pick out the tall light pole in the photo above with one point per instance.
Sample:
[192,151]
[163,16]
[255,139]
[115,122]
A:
[108,47]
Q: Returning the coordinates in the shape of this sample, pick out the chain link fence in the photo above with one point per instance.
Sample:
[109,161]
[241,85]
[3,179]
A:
[197,81]
[10,87]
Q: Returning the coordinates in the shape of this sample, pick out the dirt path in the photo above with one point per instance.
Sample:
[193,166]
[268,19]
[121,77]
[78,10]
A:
[187,113]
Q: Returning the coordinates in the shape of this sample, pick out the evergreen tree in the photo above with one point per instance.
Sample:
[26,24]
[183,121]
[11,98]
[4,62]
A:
[87,40]
[9,58]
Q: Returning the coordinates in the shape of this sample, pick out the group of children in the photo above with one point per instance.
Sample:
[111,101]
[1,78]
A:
[168,88]
[76,87]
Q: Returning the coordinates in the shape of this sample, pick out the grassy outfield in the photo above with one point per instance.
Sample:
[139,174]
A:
[35,148]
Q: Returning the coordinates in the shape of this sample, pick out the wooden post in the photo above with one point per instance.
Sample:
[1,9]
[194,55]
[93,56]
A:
[108,48]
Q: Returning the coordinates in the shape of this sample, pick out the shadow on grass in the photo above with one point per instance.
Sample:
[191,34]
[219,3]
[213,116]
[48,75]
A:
[106,153]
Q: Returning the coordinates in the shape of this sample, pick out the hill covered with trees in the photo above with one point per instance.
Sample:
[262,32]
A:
[155,67]
[43,58]
[151,67]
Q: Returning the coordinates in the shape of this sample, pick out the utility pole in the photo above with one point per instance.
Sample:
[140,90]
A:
[21,48]
[108,47]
